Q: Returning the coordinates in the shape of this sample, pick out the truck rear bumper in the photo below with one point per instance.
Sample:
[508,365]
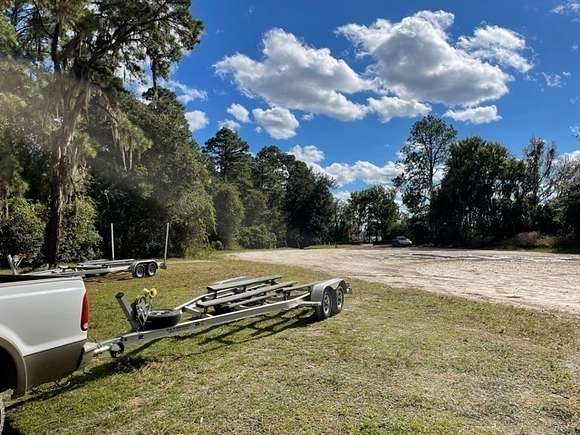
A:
[53,364]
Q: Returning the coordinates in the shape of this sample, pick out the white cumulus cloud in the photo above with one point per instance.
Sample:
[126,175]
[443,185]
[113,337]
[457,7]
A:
[474,115]
[341,195]
[497,44]
[239,112]
[417,60]
[344,173]
[279,122]
[309,154]
[296,76]
[573,155]
[185,93]
[229,124]
[393,107]
[196,120]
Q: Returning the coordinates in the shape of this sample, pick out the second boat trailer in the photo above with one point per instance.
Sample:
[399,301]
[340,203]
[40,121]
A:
[224,302]
[137,268]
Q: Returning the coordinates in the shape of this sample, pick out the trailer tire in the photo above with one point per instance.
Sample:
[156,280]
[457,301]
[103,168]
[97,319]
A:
[324,310]
[151,269]
[337,300]
[139,271]
[159,319]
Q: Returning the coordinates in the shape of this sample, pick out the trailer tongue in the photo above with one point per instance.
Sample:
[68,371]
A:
[224,302]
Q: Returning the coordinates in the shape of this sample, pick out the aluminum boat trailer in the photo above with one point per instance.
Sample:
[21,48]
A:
[224,302]
[137,268]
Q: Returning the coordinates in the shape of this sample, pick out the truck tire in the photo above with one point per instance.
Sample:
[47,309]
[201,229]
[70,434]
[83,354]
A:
[324,310]
[139,271]
[159,319]
[151,269]
[337,300]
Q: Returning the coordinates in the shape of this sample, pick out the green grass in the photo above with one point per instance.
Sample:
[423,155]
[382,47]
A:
[394,361]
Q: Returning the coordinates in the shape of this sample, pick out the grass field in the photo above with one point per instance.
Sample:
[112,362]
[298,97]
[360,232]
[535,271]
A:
[394,361]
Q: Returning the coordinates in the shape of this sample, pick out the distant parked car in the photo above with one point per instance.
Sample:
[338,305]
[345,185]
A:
[401,241]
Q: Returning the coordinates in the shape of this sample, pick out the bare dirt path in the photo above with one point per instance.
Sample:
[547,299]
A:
[537,280]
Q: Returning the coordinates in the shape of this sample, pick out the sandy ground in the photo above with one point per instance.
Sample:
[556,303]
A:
[536,280]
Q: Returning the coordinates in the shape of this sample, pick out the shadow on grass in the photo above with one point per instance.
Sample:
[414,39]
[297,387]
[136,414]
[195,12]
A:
[8,429]
[128,363]
[133,361]
[298,321]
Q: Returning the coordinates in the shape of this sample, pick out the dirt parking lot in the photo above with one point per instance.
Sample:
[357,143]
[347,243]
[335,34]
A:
[537,280]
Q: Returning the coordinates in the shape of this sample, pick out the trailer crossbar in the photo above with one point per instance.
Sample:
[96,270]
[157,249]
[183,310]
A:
[243,283]
[250,301]
[244,295]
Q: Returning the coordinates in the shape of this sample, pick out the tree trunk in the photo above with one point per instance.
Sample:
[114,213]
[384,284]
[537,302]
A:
[430,206]
[55,204]
[74,98]
[59,177]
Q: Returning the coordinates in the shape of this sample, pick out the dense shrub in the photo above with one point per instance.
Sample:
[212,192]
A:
[80,239]
[530,239]
[217,245]
[527,240]
[22,230]
[256,237]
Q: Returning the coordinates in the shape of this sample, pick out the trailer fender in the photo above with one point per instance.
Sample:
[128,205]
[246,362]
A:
[318,288]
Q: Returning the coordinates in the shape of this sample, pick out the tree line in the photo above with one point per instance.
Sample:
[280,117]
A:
[470,192]
[80,151]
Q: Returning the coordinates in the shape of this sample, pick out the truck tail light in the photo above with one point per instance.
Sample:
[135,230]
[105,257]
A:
[85,314]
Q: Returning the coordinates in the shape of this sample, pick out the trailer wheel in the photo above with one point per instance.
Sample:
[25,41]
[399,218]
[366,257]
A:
[337,300]
[151,269]
[324,310]
[159,319]
[139,271]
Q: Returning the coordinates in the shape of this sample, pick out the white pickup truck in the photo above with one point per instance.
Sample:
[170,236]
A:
[43,328]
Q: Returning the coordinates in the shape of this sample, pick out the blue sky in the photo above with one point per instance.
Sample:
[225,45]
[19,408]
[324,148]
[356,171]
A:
[327,81]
